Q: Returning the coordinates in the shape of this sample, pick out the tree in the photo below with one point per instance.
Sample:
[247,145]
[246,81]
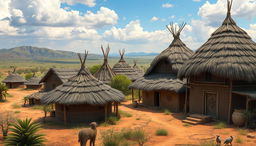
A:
[6,119]
[3,91]
[24,133]
[46,109]
[25,99]
[121,82]
[94,68]
[28,76]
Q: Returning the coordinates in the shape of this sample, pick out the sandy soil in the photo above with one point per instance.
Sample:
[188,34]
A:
[149,120]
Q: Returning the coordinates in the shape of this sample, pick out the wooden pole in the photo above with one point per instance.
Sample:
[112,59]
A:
[247,109]
[106,112]
[65,115]
[230,102]
[132,95]
[139,97]
[117,109]
[186,99]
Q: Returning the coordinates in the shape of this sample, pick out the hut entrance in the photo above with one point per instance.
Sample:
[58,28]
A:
[211,104]
[157,99]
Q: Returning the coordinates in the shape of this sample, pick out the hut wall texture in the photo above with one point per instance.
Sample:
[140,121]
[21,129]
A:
[52,82]
[80,113]
[168,100]
[15,85]
[35,87]
[197,99]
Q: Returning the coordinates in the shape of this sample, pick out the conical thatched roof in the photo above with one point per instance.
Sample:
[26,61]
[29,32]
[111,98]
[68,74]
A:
[37,95]
[228,53]
[83,88]
[105,73]
[123,68]
[33,81]
[14,78]
[137,69]
[176,54]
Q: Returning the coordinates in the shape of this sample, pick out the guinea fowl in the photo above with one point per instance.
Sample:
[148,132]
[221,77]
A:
[218,140]
[229,140]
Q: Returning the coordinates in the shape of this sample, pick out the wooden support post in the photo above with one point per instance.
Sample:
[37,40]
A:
[139,97]
[117,109]
[186,98]
[65,114]
[106,112]
[247,109]
[230,102]
[132,95]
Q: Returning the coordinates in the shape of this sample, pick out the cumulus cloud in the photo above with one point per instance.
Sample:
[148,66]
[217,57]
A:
[167,5]
[90,3]
[154,18]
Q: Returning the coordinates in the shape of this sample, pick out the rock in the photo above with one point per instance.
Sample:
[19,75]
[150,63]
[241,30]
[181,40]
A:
[251,136]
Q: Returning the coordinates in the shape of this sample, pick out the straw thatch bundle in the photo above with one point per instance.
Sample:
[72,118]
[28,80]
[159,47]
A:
[228,53]
[62,73]
[123,68]
[176,54]
[166,82]
[105,73]
[83,88]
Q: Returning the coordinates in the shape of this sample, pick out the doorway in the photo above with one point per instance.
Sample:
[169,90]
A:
[157,99]
[211,104]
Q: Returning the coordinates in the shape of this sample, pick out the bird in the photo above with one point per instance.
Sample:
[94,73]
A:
[218,140]
[228,140]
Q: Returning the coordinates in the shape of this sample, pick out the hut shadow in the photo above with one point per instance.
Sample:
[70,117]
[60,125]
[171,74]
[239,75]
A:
[141,107]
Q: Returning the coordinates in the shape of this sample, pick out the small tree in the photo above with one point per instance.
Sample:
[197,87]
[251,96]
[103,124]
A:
[28,76]
[94,68]
[3,91]
[6,119]
[121,82]
[46,109]
[24,133]
[25,99]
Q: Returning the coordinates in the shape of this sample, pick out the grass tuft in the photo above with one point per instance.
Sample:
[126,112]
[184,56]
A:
[239,140]
[187,125]
[124,114]
[167,112]
[15,106]
[16,112]
[161,132]
[220,125]
[243,131]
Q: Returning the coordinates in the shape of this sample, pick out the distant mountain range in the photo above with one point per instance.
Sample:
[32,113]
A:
[136,54]
[36,53]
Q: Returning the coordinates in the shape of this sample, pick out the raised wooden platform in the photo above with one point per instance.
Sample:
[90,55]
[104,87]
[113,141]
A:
[195,119]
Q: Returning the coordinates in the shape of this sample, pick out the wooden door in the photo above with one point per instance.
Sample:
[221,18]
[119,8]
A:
[211,104]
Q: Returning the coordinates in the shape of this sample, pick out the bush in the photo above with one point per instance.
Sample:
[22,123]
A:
[220,125]
[167,112]
[161,132]
[28,76]
[3,91]
[239,140]
[121,83]
[94,68]
[112,120]
[139,136]
[111,138]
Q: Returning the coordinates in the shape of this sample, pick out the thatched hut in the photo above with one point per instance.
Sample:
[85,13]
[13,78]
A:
[14,80]
[35,98]
[123,68]
[57,76]
[83,98]
[160,86]
[105,73]
[221,74]
[33,83]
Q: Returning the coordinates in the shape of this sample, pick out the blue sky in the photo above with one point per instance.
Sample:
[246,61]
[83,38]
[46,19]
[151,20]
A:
[136,25]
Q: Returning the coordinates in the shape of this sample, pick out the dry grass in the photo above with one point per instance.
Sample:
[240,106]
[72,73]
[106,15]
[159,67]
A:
[220,125]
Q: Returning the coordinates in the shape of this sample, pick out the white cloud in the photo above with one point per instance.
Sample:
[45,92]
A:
[167,5]
[90,3]
[6,29]
[154,18]
[196,0]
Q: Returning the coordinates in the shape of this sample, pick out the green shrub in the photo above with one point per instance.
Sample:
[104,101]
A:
[3,92]
[111,138]
[161,132]
[112,120]
[28,76]
[220,125]
[121,83]
[167,112]
[124,114]
[139,136]
[94,68]
[239,140]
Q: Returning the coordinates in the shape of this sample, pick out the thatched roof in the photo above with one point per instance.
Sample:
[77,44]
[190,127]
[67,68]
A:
[229,53]
[137,69]
[62,73]
[167,82]
[33,81]
[37,95]
[14,78]
[123,68]
[83,88]
[105,73]
[176,54]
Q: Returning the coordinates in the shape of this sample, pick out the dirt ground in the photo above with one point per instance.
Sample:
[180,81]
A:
[148,119]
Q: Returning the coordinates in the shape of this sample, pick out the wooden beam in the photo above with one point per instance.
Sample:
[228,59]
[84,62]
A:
[117,109]
[65,114]
[247,109]
[106,112]
[132,95]
[139,96]
[186,100]
[230,101]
